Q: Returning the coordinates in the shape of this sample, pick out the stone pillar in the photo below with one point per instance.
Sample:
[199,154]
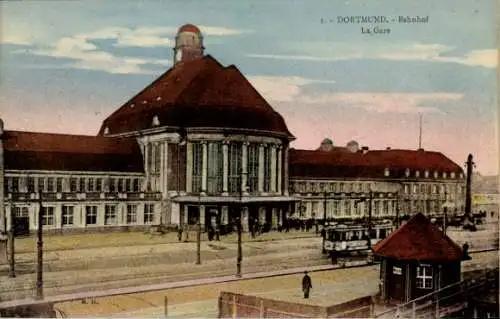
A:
[261,169]
[244,167]
[279,157]
[225,167]
[285,172]
[204,167]
[273,169]
[189,168]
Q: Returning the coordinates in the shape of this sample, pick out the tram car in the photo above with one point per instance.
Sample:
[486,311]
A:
[343,240]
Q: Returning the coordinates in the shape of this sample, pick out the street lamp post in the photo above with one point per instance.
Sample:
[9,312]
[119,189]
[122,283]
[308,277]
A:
[324,220]
[39,268]
[238,226]
[12,263]
[198,233]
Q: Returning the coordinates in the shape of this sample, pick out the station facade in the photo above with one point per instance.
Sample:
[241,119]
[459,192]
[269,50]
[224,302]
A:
[200,141]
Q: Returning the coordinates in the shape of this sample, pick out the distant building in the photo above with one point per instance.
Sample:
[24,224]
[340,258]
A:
[331,181]
[201,142]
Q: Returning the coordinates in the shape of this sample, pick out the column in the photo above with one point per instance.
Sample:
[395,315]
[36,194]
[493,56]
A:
[58,216]
[186,219]
[204,167]
[202,216]
[279,157]
[175,214]
[140,212]
[225,215]
[285,172]
[244,167]
[261,169]
[225,166]
[146,166]
[164,169]
[189,167]
[273,169]
[101,211]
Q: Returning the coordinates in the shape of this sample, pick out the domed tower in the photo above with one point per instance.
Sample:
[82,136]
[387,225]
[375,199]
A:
[352,146]
[326,145]
[188,44]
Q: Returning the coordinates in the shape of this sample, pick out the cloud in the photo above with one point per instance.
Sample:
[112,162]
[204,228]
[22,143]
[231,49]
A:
[281,88]
[291,89]
[385,102]
[487,58]
[87,56]
[221,31]
[305,57]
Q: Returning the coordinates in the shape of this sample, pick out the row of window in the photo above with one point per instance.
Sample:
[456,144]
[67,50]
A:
[433,189]
[336,207]
[71,184]
[332,187]
[90,214]
[215,169]
[426,174]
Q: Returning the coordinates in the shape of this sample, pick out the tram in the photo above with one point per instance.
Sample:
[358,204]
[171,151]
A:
[344,240]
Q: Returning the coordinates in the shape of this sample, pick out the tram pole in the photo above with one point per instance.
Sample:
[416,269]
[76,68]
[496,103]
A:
[39,268]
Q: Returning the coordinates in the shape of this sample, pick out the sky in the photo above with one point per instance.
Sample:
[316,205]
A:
[67,65]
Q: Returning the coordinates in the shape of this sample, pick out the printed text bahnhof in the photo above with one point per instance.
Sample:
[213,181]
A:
[380,19]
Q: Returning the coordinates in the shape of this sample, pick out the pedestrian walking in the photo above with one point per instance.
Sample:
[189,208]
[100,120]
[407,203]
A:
[306,285]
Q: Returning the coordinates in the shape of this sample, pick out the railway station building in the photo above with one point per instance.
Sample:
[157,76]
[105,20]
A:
[201,141]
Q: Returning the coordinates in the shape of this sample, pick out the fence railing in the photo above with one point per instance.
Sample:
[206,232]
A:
[444,301]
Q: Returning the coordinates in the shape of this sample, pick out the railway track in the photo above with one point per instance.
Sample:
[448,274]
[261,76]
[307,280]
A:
[210,269]
[70,284]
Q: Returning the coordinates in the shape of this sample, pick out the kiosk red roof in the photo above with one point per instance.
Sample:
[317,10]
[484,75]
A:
[419,239]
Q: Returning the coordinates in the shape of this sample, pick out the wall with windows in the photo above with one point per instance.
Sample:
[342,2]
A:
[409,195]
[77,200]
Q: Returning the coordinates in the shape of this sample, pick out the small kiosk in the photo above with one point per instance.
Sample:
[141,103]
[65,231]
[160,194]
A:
[417,259]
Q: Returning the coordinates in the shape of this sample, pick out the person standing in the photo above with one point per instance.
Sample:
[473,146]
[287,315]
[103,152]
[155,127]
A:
[306,285]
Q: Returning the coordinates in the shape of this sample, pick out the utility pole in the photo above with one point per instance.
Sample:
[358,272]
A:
[39,268]
[12,263]
[198,233]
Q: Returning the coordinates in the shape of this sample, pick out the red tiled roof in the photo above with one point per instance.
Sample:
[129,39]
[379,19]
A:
[419,239]
[339,162]
[198,93]
[47,151]
[189,28]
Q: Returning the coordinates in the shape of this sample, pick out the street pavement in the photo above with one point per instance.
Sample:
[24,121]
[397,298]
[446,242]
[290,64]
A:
[330,286]
[113,266]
